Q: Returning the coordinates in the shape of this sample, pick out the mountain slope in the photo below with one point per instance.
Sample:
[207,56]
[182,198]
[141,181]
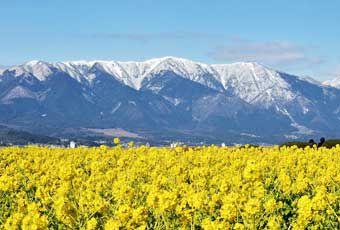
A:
[18,137]
[167,95]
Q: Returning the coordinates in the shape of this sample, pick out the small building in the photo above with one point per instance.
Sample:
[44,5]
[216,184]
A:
[72,144]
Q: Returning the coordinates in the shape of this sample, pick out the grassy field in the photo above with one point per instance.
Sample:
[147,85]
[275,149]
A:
[162,188]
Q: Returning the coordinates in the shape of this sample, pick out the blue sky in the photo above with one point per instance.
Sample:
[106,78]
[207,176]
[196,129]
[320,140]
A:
[300,37]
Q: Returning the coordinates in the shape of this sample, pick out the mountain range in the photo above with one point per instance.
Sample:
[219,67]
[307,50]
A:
[169,99]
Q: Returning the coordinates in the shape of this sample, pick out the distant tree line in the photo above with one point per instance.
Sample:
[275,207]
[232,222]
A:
[328,143]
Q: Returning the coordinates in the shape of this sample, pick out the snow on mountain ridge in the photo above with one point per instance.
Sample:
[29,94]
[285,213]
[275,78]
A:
[251,81]
[39,69]
[334,83]
[254,83]
[131,68]
[310,80]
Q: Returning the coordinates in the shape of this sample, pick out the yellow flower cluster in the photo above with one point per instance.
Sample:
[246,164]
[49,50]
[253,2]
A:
[170,188]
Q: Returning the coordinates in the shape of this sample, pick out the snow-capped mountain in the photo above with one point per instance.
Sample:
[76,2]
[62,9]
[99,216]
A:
[168,94]
[334,83]
[250,81]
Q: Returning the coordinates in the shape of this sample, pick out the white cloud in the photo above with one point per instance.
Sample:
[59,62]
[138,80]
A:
[336,71]
[276,54]
[147,37]
[332,73]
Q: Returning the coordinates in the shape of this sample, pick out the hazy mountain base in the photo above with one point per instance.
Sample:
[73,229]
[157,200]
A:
[10,136]
[90,137]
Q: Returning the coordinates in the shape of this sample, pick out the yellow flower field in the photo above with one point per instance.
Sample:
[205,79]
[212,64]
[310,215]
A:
[163,188]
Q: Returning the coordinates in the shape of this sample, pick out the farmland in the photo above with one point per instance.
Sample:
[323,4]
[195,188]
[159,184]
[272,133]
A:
[206,187]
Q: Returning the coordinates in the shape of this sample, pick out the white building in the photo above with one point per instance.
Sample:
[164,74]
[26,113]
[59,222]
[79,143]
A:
[72,144]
